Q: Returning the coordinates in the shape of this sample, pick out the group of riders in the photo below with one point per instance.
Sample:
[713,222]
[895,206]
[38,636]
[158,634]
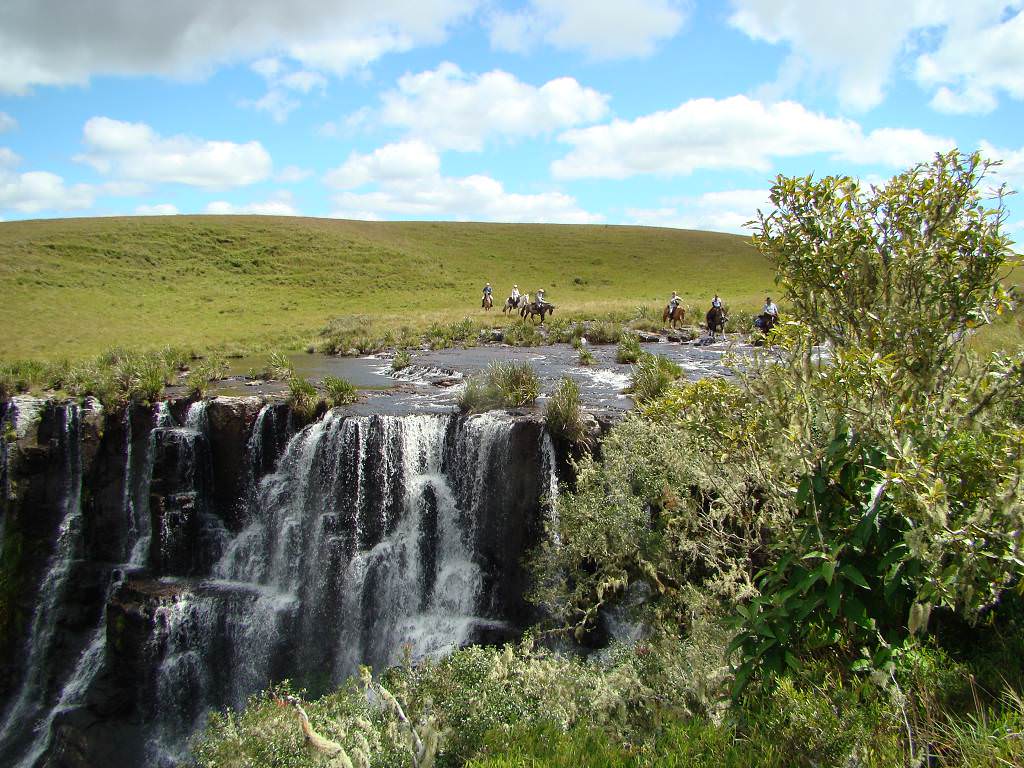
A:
[715,318]
[519,301]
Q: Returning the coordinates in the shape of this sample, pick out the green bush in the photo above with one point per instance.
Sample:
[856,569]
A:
[401,360]
[507,384]
[628,350]
[603,332]
[586,357]
[339,391]
[303,397]
[652,376]
[562,413]
[279,366]
[523,333]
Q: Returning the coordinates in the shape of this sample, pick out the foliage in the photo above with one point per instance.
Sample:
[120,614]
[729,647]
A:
[562,413]
[401,360]
[303,397]
[508,384]
[523,333]
[279,366]
[652,376]
[628,350]
[586,357]
[339,391]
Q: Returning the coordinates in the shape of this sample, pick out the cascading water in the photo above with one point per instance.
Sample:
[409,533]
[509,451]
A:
[361,544]
[33,696]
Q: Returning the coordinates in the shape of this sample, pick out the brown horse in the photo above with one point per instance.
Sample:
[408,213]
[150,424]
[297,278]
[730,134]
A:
[533,309]
[716,321]
[487,302]
[674,315]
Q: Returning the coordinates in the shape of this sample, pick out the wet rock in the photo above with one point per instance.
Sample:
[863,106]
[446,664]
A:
[230,425]
[648,336]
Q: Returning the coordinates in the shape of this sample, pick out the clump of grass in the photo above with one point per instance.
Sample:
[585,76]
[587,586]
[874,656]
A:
[464,332]
[604,332]
[212,368]
[339,391]
[629,348]
[503,385]
[652,376]
[586,358]
[562,414]
[303,397]
[279,366]
[523,333]
[401,360]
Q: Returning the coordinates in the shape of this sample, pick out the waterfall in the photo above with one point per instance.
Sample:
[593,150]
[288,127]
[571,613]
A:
[36,686]
[549,462]
[360,546]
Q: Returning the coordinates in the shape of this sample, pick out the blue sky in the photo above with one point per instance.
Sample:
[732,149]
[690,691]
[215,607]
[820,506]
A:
[661,112]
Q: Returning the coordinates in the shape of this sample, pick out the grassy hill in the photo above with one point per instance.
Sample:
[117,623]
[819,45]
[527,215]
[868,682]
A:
[72,287]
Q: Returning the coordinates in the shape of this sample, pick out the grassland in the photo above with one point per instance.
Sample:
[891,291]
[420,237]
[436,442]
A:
[71,288]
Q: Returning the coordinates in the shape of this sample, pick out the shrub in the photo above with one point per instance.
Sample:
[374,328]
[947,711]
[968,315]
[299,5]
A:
[279,366]
[303,397]
[604,332]
[503,385]
[652,376]
[562,413]
[401,360]
[628,350]
[586,357]
[339,391]
[523,333]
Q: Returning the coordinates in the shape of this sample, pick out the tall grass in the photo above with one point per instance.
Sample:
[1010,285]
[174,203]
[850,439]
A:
[508,384]
[562,414]
[652,376]
[339,391]
[628,350]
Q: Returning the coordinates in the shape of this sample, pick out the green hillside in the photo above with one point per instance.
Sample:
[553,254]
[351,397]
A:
[72,287]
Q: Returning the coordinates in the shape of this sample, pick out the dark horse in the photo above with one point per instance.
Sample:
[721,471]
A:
[765,322]
[536,308]
[674,315]
[716,321]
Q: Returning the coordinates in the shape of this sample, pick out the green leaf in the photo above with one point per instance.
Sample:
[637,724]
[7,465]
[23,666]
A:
[792,662]
[827,570]
[850,572]
[832,596]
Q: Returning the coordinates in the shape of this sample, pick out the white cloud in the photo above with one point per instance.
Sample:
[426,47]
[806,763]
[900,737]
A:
[8,158]
[737,133]
[42,191]
[967,52]
[407,160]
[279,100]
[981,54]
[604,29]
[292,174]
[726,211]
[1011,169]
[409,183]
[278,205]
[53,42]
[134,151]
[455,110]
[160,209]
[7,123]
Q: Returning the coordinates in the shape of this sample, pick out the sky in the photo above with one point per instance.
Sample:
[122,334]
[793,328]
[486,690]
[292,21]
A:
[675,113]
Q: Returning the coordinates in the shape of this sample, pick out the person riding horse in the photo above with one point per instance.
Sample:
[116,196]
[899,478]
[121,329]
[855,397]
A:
[487,301]
[769,315]
[716,318]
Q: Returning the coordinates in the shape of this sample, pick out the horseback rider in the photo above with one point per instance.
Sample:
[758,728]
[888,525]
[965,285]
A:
[487,291]
[716,303]
[769,315]
[673,302]
[540,297]
[515,296]
[487,299]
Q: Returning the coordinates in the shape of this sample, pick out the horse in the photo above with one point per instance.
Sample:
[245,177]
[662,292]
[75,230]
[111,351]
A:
[716,321]
[511,304]
[765,322]
[533,309]
[674,315]
[487,302]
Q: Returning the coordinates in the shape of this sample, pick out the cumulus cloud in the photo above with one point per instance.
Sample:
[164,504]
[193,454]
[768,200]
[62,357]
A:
[726,211]
[409,182]
[53,42]
[7,123]
[604,29]
[966,52]
[36,191]
[8,158]
[981,55]
[1011,168]
[456,110]
[160,209]
[278,205]
[292,174]
[733,133]
[407,160]
[282,85]
[134,151]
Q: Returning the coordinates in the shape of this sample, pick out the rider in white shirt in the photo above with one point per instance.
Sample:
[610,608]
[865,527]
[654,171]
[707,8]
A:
[770,308]
[673,302]
[540,295]
[515,294]
[716,302]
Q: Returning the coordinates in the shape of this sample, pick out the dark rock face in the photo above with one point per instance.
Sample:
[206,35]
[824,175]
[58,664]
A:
[221,546]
